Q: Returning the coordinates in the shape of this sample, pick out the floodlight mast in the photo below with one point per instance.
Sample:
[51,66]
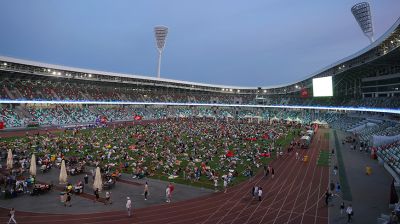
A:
[161,34]
[362,14]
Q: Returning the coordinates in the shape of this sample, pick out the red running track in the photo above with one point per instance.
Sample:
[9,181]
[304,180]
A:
[294,195]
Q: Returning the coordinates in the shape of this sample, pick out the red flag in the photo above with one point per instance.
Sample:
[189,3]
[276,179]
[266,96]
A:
[137,117]
[2,125]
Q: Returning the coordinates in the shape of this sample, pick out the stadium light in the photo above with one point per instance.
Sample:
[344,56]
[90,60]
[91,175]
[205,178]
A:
[362,14]
[161,34]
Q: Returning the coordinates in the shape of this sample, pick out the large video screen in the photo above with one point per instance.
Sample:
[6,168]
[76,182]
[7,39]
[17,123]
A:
[322,86]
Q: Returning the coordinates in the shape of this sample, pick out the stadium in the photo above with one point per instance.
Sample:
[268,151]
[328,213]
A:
[307,146]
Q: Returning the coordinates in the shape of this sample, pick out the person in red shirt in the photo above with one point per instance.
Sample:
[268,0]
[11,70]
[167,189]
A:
[171,189]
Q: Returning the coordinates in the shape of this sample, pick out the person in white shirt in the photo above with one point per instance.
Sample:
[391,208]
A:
[255,191]
[12,216]
[259,193]
[225,185]
[168,194]
[349,212]
[215,184]
[108,198]
[128,205]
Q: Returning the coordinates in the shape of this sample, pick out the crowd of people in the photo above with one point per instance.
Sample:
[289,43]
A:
[200,151]
[35,89]
[202,146]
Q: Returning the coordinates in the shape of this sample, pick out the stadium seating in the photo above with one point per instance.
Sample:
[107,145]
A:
[10,117]
[56,90]
[390,154]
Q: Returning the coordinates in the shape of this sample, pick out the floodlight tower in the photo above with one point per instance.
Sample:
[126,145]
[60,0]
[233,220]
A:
[362,14]
[161,34]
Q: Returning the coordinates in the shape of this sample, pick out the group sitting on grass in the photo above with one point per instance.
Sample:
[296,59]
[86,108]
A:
[193,151]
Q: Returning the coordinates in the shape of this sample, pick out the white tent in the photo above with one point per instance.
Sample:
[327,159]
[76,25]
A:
[316,122]
[324,123]
[63,174]
[32,168]
[98,182]
[298,120]
[10,160]
[275,119]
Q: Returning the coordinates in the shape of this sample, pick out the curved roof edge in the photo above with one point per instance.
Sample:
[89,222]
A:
[357,54]
[84,70]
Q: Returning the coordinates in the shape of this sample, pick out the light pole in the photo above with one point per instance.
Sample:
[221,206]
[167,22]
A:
[362,14]
[161,34]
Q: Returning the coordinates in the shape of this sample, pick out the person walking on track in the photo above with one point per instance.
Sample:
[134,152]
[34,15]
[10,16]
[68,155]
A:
[108,198]
[12,216]
[171,190]
[265,170]
[68,200]
[146,191]
[128,206]
[255,191]
[260,193]
[350,213]
[327,196]
[341,208]
[96,193]
[272,172]
[168,194]
[225,185]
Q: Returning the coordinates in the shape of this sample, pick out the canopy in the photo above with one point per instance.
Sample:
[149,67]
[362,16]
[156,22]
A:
[323,122]
[32,168]
[9,160]
[98,182]
[316,122]
[63,173]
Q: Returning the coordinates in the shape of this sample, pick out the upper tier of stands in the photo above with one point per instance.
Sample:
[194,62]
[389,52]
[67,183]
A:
[18,89]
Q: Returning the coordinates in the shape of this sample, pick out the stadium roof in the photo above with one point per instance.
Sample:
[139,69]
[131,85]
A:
[392,33]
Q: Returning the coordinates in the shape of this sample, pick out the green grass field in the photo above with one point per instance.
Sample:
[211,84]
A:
[106,136]
[324,158]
